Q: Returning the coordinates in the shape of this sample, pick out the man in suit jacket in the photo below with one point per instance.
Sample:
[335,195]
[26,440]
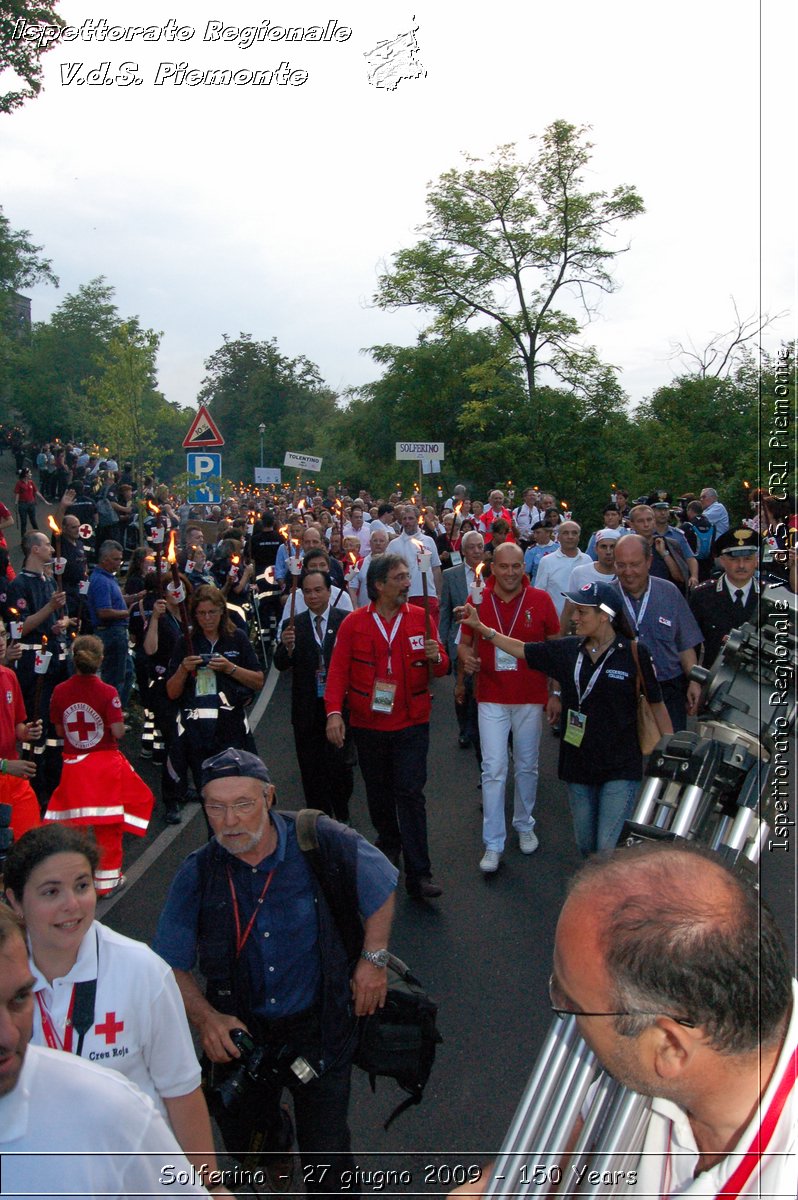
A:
[306,649]
[728,602]
[457,582]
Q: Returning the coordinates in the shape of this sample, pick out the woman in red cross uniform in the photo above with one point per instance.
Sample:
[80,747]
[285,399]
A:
[99,995]
[98,785]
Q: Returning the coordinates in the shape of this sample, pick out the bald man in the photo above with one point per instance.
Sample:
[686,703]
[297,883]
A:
[510,698]
[681,986]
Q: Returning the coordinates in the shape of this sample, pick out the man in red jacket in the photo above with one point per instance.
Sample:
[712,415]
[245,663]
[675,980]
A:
[383,658]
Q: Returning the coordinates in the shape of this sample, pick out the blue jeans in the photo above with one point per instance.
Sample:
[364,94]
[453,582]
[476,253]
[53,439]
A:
[117,667]
[598,811]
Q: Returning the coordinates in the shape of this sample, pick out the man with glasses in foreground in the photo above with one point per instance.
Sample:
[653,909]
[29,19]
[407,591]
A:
[249,909]
[679,981]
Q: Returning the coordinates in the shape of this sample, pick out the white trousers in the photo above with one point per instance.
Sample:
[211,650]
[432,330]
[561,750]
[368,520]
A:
[495,723]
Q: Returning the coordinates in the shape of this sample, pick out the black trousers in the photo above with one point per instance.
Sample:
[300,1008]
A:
[327,775]
[394,766]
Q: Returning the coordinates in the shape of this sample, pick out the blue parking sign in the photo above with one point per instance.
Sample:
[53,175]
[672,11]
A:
[204,471]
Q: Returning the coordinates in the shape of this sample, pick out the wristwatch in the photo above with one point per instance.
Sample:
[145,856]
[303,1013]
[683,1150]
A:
[378,958]
[490,635]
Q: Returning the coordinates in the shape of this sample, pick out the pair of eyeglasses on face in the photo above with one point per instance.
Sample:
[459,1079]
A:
[242,808]
[562,1013]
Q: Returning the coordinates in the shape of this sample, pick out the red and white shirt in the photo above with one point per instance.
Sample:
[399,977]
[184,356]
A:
[87,708]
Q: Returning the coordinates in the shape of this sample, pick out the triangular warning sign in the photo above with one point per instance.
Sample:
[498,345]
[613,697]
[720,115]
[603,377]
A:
[203,432]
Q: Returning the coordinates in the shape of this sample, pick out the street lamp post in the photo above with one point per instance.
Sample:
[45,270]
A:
[261,431]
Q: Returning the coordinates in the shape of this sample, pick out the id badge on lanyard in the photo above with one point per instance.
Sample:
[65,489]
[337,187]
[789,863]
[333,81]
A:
[321,681]
[575,724]
[505,661]
[206,682]
[383,695]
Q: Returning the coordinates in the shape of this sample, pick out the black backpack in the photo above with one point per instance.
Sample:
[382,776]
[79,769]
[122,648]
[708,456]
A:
[399,1040]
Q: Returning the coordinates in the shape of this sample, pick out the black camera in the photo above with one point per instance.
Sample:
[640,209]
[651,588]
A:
[206,658]
[258,1066]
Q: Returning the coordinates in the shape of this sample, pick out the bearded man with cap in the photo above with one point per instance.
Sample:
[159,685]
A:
[721,605]
[249,909]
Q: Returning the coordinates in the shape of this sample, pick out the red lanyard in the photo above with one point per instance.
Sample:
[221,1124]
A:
[759,1145]
[507,632]
[753,1155]
[241,939]
[49,1030]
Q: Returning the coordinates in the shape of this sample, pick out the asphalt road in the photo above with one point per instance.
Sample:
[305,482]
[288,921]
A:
[483,950]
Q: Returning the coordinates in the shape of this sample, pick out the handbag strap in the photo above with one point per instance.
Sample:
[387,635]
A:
[640,680]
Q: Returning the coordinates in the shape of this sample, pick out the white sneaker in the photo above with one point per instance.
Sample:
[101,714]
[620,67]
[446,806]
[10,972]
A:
[490,862]
[527,842]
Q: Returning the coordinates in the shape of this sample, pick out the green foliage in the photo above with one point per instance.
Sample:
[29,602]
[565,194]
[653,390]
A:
[503,240]
[249,383]
[64,352]
[20,56]
[124,404]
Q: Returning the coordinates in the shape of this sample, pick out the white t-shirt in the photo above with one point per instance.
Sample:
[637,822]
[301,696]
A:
[140,1027]
[554,574]
[588,573]
[670,1153]
[70,1127]
[404,545]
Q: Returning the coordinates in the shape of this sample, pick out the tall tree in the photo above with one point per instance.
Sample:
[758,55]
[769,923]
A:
[21,56]
[126,404]
[21,265]
[250,382]
[508,242]
[64,352]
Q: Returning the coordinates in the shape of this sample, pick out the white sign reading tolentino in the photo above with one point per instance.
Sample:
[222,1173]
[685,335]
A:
[419,450]
[304,462]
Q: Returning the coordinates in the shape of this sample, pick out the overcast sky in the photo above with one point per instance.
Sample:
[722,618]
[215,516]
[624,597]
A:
[269,210]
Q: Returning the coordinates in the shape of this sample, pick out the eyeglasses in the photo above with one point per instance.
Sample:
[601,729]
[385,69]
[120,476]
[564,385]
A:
[242,808]
[562,1013]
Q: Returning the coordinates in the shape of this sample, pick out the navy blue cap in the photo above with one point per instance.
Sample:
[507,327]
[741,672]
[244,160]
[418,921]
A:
[595,595]
[233,762]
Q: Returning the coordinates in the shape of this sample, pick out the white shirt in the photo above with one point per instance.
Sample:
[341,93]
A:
[554,574]
[339,598]
[405,546]
[143,1031]
[525,517]
[96,1128]
[671,1174]
[364,533]
[733,588]
[585,573]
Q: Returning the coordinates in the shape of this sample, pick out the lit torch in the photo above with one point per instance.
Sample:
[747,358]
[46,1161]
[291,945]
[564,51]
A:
[15,626]
[178,592]
[40,668]
[59,566]
[156,539]
[295,567]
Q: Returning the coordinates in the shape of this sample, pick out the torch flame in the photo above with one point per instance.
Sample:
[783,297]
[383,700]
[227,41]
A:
[235,560]
[171,556]
[51,522]
[458,508]
[284,530]
[746,484]
[353,557]
[564,504]
[153,507]
[478,569]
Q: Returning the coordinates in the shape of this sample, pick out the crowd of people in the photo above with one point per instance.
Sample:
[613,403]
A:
[151,609]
